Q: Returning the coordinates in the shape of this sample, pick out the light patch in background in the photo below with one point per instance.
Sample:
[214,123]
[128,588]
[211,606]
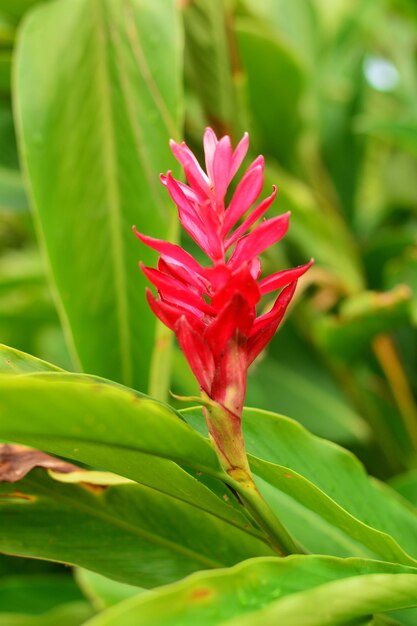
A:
[380,73]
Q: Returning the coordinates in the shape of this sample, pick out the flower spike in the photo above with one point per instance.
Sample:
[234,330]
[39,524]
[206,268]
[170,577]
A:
[212,309]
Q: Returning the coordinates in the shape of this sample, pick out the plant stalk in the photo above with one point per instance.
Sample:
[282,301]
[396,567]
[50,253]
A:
[391,365]
[225,431]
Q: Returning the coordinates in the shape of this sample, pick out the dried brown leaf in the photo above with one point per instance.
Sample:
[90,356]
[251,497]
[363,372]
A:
[16,461]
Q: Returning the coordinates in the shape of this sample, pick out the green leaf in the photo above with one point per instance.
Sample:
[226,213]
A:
[406,485]
[5,71]
[71,614]
[294,22]
[340,98]
[295,591]
[15,9]
[104,592]
[361,318]
[317,230]
[113,428]
[399,133]
[20,268]
[208,492]
[12,193]
[267,61]
[322,494]
[94,136]
[274,383]
[36,593]
[207,60]
[403,270]
[307,468]
[8,157]
[12,360]
[92,410]
[318,481]
[128,532]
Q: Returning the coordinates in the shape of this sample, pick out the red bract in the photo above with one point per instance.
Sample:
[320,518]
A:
[212,310]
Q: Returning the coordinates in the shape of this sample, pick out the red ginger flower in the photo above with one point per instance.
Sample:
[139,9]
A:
[212,310]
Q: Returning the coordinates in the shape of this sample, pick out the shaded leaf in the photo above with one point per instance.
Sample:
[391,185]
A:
[361,318]
[208,61]
[290,365]
[154,538]
[406,485]
[403,269]
[36,594]
[70,614]
[295,22]
[267,60]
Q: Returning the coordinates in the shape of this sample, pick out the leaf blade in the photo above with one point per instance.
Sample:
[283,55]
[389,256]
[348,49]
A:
[93,136]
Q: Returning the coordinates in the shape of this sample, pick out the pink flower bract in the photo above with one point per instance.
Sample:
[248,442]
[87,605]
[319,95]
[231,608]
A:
[212,309]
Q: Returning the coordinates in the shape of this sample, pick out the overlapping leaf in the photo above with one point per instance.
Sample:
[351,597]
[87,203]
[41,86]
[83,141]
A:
[154,538]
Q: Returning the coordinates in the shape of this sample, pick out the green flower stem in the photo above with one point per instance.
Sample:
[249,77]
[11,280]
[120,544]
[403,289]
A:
[280,539]
[225,430]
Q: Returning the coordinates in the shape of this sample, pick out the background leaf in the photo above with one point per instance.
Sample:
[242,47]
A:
[267,60]
[70,614]
[93,137]
[208,62]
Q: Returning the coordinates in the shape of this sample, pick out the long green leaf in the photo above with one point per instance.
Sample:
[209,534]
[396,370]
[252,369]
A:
[295,591]
[128,532]
[267,60]
[113,428]
[94,136]
[208,60]
[17,362]
[319,231]
[294,22]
